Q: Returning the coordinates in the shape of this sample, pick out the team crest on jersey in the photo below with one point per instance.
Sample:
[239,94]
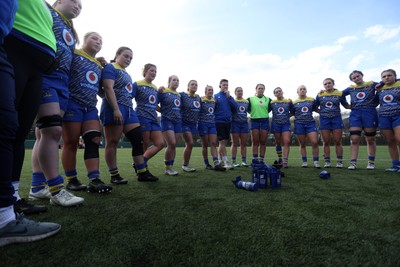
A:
[242,109]
[388,99]
[128,88]
[92,77]
[152,99]
[261,102]
[360,95]
[210,110]
[329,104]
[281,110]
[177,103]
[196,104]
[68,39]
[304,109]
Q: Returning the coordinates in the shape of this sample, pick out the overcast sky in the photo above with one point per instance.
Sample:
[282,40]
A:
[282,43]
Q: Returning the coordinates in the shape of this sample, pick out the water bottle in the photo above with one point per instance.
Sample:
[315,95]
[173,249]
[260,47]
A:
[249,186]
[275,178]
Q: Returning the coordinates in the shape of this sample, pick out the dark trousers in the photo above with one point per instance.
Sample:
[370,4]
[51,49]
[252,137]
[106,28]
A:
[29,65]
[8,129]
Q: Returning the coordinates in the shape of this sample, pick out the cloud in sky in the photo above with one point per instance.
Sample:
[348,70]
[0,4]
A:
[346,39]
[209,40]
[382,33]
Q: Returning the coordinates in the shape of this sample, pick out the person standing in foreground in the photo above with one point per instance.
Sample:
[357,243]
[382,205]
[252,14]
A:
[304,125]
[259,108]
[117,116]
[45,154]
[389,115]
[81,116]
[16,228]
[190,110]
[224,105]
[280,125]
[207,130]
[239,128]
[330,120]
[171,121]
[146,105]
[363,116]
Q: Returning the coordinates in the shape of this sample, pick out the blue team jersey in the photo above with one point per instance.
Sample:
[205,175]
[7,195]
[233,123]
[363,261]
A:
[84,79]
[190,107]
[224,107]
[240,114]
[389,100]
[207,110]
[281,110]
[122,83]
[8,9]
[362,96]
[64,39]
[146,99]
[170,105]
[303,109]
[329,103]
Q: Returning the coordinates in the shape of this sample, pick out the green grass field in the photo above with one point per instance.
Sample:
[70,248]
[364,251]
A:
[201,219]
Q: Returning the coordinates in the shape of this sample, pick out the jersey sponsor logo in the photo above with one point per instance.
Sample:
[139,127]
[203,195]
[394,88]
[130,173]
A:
[177,103]
[329,104]
[281,110]
[388,98]
[304,109]
[68,39]
[152,99]
[92,77]
[211,110]
[361,95]
[196,104]
[128,88]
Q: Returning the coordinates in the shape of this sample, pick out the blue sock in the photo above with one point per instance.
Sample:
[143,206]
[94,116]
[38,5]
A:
[169,163]
[38,182]
[55,185]
[141,168]
[395,162]
[304,159]
[71,174]
[113,171]
[215,159]
[93,175]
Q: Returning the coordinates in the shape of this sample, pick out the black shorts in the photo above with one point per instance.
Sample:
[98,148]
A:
[223,130]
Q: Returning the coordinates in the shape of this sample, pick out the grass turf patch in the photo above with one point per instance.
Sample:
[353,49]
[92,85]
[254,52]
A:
[201,219]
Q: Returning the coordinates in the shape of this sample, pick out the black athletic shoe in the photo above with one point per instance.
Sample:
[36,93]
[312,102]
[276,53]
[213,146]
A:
[75,185]
[219,167]
[97,186]
[22,206]
[117,180]
[146,177]
[209,167]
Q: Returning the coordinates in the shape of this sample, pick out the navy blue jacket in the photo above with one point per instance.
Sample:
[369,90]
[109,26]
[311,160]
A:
[224,107]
